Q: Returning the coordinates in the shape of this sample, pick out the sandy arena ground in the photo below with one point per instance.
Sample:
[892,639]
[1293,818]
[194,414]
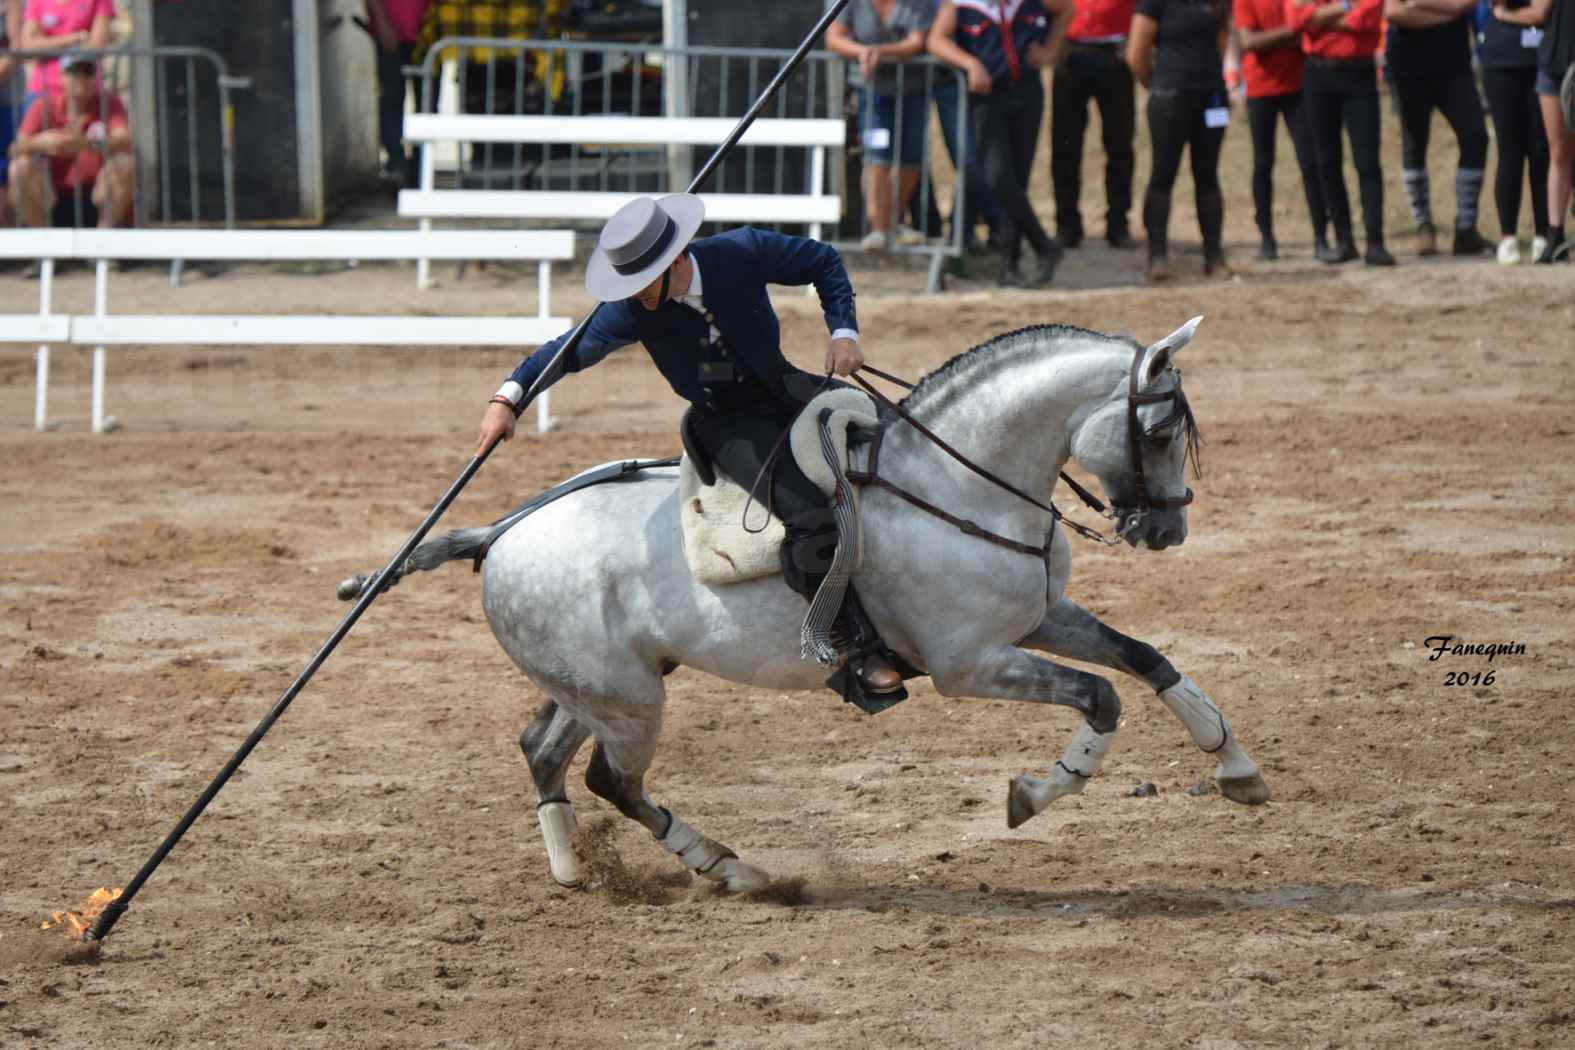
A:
[1387,459]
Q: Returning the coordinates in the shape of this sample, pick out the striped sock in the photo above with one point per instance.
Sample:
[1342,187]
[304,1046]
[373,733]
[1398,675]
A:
[1468,194]
[1419,192]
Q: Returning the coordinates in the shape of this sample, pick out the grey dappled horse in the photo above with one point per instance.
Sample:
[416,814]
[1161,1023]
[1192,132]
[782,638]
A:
[593,599]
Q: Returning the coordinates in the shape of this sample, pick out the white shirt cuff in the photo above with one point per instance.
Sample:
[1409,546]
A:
[511,390]
[846,333]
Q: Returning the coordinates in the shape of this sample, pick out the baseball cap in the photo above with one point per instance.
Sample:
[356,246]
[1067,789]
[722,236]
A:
[72,59]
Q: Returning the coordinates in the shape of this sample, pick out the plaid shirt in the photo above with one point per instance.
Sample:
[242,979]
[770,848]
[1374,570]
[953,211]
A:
[506,19]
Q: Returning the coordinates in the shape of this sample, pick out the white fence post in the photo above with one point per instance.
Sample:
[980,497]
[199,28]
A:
[46,294]
[100,309]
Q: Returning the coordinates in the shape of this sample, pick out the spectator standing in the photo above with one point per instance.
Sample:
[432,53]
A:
[1272,64]
[1002,45]
[1340,89]
[1509,77]
[71,143]
[1555,55]
[1094,70]
[395,26]
[978,205]
[1177,51]
[1428,64]
[59,26]
[879,35]
[10,98]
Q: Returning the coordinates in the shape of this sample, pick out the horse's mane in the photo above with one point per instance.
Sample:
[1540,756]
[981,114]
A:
[1038,339]
[1043,340]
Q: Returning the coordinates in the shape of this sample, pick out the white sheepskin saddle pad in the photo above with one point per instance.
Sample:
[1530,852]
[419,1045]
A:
[719,548]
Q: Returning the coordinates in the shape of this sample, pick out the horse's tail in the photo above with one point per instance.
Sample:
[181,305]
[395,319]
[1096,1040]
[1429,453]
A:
[451,546]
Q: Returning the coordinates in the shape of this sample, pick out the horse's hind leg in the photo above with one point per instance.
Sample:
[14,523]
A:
[617,774]
[1070,630]
[550,743]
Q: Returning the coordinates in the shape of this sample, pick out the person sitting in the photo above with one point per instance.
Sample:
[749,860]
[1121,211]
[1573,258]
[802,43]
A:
[701,310]
[75,142]
[893,118]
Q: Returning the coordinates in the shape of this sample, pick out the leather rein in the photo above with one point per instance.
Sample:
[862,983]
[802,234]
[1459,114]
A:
[1126,521]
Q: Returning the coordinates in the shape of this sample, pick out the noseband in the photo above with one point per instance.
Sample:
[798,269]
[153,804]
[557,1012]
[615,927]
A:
[1133,518]
[1127,520]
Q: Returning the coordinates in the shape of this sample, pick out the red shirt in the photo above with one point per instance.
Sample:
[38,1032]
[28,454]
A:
[1101,20]
[67,173]
[1361,41]
[1277,71]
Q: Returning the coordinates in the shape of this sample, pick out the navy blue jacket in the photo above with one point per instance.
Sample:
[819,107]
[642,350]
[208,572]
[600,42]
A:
[735,268]
[979,32]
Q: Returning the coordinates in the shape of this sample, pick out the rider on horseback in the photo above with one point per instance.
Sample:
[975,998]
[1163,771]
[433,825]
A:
[701,310]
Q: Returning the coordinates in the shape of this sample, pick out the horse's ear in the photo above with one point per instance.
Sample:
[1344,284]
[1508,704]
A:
[1157,357]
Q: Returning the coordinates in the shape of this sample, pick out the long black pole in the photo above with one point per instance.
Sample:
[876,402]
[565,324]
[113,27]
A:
[117,908]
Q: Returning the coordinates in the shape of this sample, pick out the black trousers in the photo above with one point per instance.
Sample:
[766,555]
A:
[1522,142]
[1092,74]
[391,109]
[1344,95]
[1263,118]
[1006,123]
[1176,124]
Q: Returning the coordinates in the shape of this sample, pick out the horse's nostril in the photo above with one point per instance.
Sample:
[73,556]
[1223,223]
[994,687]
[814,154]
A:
[1173,537]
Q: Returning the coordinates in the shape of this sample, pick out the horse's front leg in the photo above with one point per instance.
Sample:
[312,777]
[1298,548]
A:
[1008,673]
[1070,630]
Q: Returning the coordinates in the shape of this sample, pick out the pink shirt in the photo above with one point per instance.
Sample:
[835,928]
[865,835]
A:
[57,18]
[406,16]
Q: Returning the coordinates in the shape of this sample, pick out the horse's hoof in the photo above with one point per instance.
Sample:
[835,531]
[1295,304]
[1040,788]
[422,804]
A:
[1249,791]
[1019,802]
[740,877]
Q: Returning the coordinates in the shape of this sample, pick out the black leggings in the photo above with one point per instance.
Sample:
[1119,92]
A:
[1263,119]
[1517,121]
[1345,94]
[1455,96]
[1175,123]
[1006,127]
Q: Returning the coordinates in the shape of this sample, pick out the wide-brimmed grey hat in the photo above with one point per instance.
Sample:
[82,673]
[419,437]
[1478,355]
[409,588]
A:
[640,241]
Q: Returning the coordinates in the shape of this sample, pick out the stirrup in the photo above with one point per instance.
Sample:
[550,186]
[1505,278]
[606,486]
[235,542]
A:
[863,642]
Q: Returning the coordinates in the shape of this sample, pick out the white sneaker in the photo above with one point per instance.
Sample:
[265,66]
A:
[1509,251]
[908,237]
[874,241]
[1538,246]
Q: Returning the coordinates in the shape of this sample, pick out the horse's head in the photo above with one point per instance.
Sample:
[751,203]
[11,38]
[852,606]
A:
[1137,441]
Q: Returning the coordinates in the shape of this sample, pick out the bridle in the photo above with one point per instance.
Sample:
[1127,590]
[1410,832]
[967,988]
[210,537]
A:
[1127,520]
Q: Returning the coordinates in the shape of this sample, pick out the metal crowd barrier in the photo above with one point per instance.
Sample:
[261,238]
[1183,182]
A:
[512,77]
[162,75]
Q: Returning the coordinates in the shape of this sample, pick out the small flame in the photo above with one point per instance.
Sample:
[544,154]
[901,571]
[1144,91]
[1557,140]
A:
[79,921]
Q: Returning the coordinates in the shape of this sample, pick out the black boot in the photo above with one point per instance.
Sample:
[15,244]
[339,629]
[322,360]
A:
[1156,221]
[1268,247]
[1211,223]
[1011,276]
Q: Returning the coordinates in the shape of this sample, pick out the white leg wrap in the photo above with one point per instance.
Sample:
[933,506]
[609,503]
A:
[1237,773]
[710,860]
[1198,713]
[1083,758]
[558,824]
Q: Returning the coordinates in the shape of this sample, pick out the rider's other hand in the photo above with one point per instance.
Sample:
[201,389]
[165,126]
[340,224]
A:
[496,425]
[844,357]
